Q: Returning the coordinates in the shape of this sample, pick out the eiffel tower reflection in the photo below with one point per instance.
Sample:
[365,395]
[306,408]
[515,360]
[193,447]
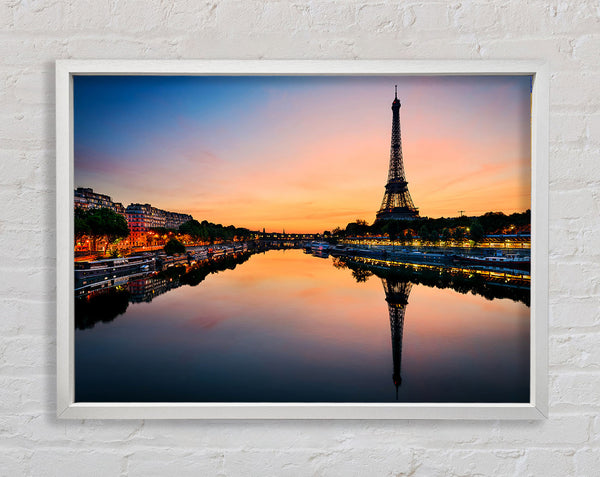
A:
[396,295]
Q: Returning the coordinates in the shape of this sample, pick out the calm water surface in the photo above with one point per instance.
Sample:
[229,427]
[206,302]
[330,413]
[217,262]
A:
[289,327]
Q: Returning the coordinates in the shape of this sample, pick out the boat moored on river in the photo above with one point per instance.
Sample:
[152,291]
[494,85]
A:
[511,260]
[319,246]
[112,267]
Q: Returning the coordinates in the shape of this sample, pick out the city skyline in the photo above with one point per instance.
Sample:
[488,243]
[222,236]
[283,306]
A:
[304,154]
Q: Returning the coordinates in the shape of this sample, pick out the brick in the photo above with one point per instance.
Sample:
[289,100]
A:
[7,15]
[19,127]
[177,15]
[591,242]
[574,166]
[26,208]
[137,16]
[103,432]
[570,390]
[67,461]
[129,48]
[565,240]
[374,461]
[577,279]
[27,355]
[547,462]
[468,462]
[166,461]
[431,16]
[573,17]
[333,16]
[595,430]
[575,350]
[562,203]
[43,15]
[88,15]
[563,92]
[21,395]
[556,50]
[379,17]
[575,312]
[567,128]
[587,461]
[593,130]
[25,169]
[479,15]
[26,317]
[409,48]
[15,462]
[265,18]
[19,51]
[585,49]
[35,87]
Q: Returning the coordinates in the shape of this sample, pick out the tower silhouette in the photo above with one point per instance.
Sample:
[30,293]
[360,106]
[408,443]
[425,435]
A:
[396,295]
[397,203]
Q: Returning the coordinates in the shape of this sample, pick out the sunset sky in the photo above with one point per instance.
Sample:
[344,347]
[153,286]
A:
[304,154]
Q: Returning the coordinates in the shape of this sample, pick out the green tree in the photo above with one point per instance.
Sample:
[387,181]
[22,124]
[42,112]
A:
[476,231]
[361,275]
[393,230]
[359,228]
[81,225]
[424,233]
[98,223]
[242,233]
[459,234]
[446,235]
[107,223]
[192,228]
[174,246]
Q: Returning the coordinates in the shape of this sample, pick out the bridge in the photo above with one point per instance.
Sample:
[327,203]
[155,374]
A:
[278,240]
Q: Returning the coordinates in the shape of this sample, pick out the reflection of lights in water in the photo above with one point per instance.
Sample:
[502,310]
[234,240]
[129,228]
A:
[454,270]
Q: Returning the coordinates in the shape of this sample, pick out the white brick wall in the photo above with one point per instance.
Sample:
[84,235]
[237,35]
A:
[35,33]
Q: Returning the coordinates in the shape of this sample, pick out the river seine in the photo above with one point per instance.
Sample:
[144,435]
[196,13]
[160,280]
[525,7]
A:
[287,326]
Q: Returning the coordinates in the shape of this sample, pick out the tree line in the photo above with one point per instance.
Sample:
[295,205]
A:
[209,232]
[440,229]
[99,223]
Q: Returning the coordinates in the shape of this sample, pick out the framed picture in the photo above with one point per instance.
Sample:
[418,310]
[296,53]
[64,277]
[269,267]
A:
[302,239]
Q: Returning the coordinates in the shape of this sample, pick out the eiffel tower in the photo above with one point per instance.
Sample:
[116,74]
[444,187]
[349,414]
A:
[396,295]
[397,203]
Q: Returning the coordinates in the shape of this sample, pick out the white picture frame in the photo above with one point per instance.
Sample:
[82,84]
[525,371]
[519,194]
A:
[537,408]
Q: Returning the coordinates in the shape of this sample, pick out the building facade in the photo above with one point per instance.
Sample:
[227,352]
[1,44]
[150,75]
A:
[175,219]
[86,198]
[143,217]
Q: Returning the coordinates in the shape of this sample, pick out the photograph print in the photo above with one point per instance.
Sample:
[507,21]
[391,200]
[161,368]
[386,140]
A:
[302,239]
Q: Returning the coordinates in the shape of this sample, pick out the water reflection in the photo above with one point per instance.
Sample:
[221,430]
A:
[104,307]
[487,286]
[396,295]
[289,327]
[105,304]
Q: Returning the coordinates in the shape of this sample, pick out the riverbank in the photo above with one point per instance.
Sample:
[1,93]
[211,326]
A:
[515,263]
